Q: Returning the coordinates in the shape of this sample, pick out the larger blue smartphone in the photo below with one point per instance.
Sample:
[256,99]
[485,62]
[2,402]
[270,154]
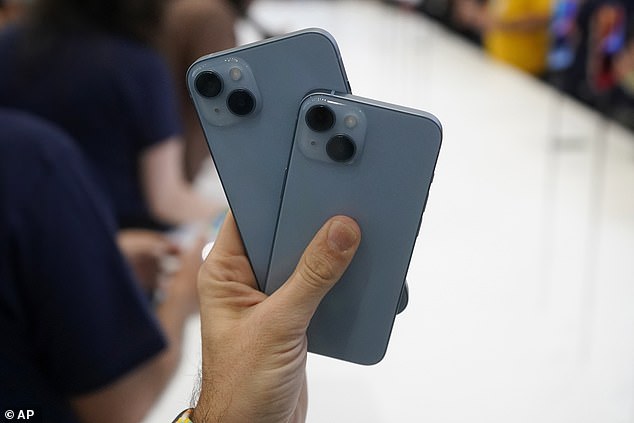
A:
[375,163]
[247,100]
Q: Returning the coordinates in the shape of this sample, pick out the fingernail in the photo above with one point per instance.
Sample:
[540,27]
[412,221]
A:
[341,236]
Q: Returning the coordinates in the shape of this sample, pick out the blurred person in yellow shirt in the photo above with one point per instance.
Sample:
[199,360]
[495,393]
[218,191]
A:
[513,31]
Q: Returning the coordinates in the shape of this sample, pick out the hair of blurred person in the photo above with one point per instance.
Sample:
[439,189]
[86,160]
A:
[113,93]
[84,345]
[11,10]
[241,6]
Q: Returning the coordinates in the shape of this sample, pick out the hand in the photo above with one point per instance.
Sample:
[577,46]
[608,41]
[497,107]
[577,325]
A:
[178,285]
[144,250]
[254,346]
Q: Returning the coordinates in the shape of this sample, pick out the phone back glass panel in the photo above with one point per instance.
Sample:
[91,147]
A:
[251,150]
[384,187]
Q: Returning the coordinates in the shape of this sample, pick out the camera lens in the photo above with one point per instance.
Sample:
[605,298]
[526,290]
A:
[340,148]
[208,84]
[241,102]
[320,118]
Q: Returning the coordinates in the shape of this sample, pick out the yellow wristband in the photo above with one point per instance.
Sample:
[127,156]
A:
[184,416]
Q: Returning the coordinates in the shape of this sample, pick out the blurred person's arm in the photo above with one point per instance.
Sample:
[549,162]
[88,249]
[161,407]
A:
[253,345]
[91,334]
[194,28]
[170,197]
[129,398]
[145,249]
[210,28]
[152,106]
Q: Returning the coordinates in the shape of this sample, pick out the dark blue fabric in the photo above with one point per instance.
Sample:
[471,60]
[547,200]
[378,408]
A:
[113,96]
[72,318]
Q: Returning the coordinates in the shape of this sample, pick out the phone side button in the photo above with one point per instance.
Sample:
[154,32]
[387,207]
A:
[420,222]
[283,184]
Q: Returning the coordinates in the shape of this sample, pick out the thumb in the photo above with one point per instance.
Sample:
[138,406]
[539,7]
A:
[324,261]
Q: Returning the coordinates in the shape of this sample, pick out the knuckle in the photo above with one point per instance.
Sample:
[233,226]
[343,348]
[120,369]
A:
[317,270]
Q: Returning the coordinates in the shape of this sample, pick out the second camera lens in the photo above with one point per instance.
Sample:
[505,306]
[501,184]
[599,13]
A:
[320,118]
[241,102]
[341,148]
[208,84]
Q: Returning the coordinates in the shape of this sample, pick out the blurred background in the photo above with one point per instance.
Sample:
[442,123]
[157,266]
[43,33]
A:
[522,281]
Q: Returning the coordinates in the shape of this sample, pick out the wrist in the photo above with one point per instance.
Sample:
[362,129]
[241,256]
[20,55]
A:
[213,406]
[201,413]
[198,416]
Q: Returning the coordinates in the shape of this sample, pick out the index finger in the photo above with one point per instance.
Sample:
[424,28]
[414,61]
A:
[227,261]
[229,242]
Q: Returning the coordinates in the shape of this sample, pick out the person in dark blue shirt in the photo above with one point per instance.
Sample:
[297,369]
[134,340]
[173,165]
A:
[89,68]
[79,342]
[78,333]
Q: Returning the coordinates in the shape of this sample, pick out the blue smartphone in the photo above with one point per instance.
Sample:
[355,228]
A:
[375,163]
[247,99]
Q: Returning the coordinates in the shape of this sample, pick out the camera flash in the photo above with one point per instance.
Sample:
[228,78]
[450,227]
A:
[235,74]
[350,121]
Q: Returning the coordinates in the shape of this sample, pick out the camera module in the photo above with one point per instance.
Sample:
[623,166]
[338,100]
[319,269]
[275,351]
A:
[340,148]
[241,102]
[320,118]
[208,84]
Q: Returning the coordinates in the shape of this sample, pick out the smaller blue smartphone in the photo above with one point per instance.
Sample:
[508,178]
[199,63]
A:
[373,162]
